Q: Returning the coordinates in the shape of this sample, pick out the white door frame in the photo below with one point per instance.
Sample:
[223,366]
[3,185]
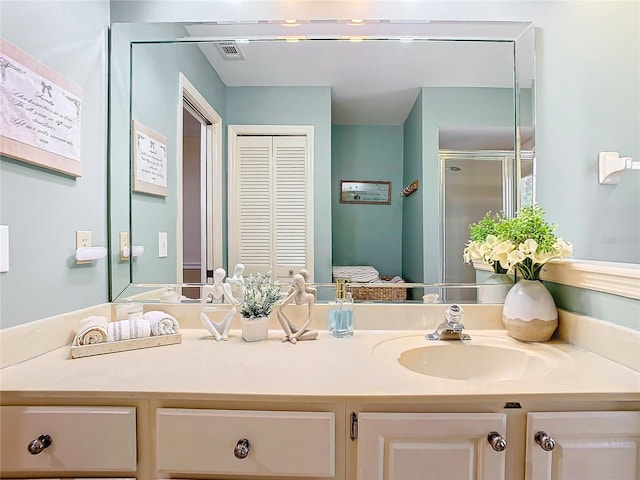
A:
[234,131]
[213,159]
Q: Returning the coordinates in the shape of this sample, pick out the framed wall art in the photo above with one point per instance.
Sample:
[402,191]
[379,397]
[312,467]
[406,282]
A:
[149,160]
[365,191]
[40,113]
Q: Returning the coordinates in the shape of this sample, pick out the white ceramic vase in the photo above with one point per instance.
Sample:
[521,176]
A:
[255,329]
[529,312]
[498,285]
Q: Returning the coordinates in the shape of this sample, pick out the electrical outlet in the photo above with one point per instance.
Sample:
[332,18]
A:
[124,244]
[83,239]
[162,244]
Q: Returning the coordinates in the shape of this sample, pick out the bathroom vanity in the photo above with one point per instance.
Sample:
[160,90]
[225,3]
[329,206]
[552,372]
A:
[329,408]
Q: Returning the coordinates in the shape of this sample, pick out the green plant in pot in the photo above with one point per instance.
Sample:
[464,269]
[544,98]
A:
[482,241]
[480,247]
[526,243]
[260,296]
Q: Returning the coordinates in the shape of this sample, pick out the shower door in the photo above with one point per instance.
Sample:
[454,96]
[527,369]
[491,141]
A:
[473,183]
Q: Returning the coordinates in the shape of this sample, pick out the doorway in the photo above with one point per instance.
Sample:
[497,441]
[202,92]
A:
[200,182]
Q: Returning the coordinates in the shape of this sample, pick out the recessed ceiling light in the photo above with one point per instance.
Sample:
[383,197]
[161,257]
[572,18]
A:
[354,38]
[292,38]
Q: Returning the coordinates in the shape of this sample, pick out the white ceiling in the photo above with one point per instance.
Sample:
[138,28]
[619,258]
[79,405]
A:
[375,81]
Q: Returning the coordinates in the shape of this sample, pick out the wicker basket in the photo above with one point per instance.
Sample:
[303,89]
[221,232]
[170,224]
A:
[395,293]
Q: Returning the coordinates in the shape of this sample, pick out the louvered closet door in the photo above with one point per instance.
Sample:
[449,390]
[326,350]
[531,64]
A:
[290,214]
[253,204]
[269,212]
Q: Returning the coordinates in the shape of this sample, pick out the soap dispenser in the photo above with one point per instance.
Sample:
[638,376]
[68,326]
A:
[341,314]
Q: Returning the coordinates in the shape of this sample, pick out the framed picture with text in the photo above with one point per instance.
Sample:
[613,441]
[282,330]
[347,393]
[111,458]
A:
[365,191]
[40,113]
[149,160]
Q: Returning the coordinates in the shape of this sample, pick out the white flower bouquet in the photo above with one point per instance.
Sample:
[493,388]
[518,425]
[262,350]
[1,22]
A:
[523,243]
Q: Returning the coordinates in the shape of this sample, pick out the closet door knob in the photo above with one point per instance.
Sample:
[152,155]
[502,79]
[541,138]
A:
[290,273]
[242,448]
[546,441]
[497,441]
[39,444]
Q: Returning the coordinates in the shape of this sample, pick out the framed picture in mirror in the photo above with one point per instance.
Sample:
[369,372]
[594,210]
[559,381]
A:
[365,191]
[149,152]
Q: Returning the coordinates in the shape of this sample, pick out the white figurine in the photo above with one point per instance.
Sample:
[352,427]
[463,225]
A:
[299,294]
[237,281]
[213,298]
[305,274]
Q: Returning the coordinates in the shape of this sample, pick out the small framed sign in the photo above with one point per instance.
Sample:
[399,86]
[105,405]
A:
[149,151]
[365,191]
[40,113]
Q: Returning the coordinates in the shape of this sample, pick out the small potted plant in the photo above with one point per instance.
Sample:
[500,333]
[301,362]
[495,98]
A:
[523,245]
[481,246]
[259,299]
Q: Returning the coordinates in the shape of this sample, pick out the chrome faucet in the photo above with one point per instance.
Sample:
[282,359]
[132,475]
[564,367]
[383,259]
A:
[452,328]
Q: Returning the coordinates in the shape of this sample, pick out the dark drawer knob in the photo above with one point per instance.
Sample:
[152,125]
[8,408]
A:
[546,441]
[39,444]
[242,448]
[497,441]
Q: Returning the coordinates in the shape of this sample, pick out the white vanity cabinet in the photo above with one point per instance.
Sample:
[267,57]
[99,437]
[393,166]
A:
[244,443]
[48,441]
[590,445]
[583,446]
[431,445]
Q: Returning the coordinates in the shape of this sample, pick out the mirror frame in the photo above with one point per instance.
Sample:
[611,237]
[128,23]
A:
[124,36]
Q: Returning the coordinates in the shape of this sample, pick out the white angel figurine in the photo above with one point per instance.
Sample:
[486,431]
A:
[298,294]
[213,299]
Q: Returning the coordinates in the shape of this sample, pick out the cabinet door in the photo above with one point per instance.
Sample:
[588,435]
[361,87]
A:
[588,446]
[394,446]
[271,205]
[250,209]
[293,198]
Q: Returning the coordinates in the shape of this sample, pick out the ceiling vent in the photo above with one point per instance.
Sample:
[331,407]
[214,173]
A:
[229,51]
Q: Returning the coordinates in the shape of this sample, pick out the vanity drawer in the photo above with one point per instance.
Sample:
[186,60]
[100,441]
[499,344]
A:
[91,439]
[195,441]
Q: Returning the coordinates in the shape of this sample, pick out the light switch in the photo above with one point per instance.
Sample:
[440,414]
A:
[4,248]
[124,246]
[162,244]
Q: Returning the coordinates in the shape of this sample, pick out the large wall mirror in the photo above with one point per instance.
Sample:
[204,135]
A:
[449,104]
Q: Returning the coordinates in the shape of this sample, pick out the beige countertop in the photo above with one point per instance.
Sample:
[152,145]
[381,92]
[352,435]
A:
[363,366]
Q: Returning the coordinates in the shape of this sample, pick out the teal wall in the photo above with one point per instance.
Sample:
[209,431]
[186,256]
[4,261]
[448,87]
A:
[43,209]
[155,98]
[367,234]
[412,207]
[452,107]
[296,106]
[582,109]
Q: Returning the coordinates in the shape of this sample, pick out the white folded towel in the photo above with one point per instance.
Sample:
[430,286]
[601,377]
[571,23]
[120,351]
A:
[395,279]
[128,330]
[92,330]
[161,323]
[360,274]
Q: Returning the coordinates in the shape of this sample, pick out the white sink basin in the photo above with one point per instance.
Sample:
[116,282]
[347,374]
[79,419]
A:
[483,358]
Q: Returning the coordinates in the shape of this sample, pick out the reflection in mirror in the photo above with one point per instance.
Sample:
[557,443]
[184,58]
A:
[381,109]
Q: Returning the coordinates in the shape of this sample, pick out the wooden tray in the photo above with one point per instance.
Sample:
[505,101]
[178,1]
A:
[79,351]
